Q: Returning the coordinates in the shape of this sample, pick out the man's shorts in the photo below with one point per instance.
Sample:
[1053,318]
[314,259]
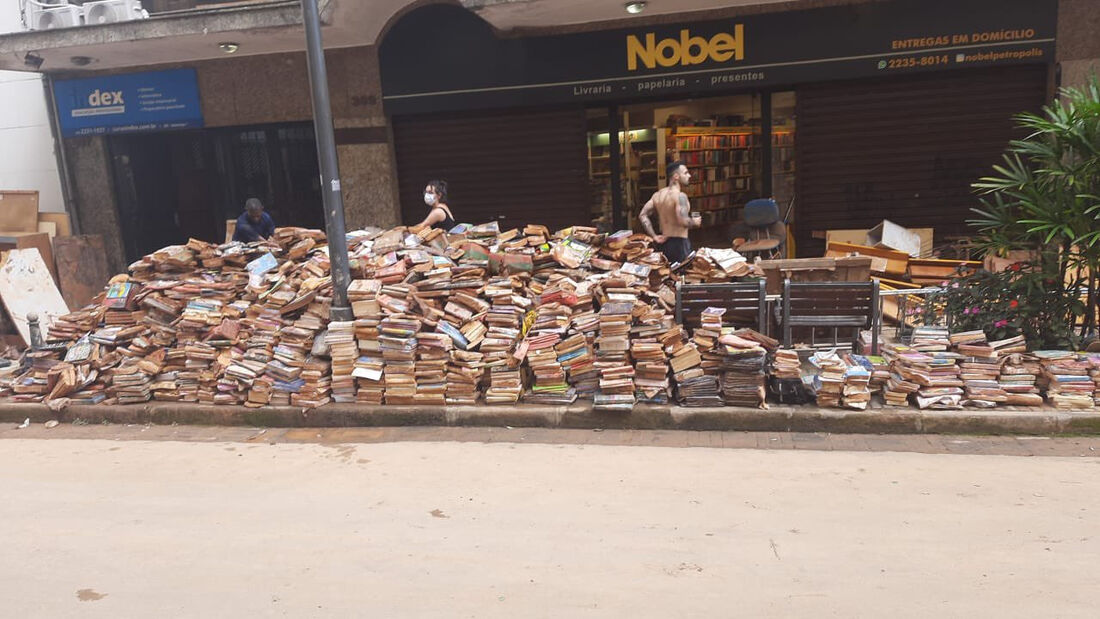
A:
[676,249]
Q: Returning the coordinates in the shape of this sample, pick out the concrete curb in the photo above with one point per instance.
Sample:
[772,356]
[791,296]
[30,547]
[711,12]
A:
[1039,421]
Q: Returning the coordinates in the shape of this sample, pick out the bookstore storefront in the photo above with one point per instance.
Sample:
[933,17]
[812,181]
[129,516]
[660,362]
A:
[846,115]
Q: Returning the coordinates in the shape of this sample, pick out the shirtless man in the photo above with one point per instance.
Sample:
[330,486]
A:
[674,213]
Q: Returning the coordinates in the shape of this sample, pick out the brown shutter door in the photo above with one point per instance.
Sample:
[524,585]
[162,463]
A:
[515,167]
[905,148]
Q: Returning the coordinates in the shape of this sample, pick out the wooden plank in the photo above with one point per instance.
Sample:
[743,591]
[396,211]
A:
[896,261]
[82,267]
[19,211]
[61,220]
[26,286]
[41,242]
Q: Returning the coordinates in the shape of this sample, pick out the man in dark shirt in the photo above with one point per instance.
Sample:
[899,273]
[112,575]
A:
[253,224]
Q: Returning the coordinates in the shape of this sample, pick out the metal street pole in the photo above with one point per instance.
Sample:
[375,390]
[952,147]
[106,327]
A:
[331,196]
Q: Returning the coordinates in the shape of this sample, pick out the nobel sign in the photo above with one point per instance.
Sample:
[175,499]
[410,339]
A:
[686,50]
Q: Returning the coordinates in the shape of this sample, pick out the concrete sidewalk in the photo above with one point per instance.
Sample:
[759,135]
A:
[778,418]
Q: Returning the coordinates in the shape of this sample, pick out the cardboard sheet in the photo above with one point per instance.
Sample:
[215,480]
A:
[19,211]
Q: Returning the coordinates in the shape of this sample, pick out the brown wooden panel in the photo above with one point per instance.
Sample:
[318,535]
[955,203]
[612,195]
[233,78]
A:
[904,148]
[82,268]
[515,167]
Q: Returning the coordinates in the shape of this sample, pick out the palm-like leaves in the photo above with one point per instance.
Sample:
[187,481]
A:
[1046,193]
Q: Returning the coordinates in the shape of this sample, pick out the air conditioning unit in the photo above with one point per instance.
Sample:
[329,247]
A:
[47,15]
[108,11]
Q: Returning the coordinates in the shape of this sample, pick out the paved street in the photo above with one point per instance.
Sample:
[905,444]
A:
[114,521]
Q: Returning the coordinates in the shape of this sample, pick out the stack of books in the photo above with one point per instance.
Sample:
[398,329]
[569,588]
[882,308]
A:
[316,384]
[343,351]
[650,370]
[828,383]
[369,366]
[129,385]
[931,338]
[432,354]
[787,365]
[397,341]
[981,382]
[505,384]
[972,344]
[576,356]
[979,369]
[1019,379]
[1066,379]
[616,383]
[897,388]
[1093,360]
[465,369]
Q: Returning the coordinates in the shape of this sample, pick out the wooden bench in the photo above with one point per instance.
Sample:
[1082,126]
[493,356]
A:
[744,302]
[835,305]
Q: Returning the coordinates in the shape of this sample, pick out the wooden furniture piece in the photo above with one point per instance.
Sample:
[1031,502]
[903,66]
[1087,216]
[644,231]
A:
[849,269]
[835,305]
[745,303]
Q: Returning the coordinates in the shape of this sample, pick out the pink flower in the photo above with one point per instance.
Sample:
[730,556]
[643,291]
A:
[1000,323]
[955,285]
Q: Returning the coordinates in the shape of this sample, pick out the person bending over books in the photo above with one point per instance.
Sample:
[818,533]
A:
[439,214]
[253,224]
[674,213]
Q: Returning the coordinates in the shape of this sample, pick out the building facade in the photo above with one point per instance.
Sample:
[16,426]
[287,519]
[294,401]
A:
[27,156]
[846,111]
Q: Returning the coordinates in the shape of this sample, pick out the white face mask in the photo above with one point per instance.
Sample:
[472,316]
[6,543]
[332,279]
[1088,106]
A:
[430,199]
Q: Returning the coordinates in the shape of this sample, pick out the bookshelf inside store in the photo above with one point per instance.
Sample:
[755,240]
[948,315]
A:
[725,168]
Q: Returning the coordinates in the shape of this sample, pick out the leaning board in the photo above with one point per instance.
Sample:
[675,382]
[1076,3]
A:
[81,268]
[26,286]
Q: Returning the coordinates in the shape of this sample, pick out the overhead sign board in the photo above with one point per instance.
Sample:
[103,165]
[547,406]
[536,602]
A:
[467,65]
[129,103]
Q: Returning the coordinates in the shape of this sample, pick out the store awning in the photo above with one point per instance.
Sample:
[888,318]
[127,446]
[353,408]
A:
[274,26]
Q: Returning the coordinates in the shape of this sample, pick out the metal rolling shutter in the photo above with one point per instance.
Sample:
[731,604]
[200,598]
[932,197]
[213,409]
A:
[904,149]
[515,167]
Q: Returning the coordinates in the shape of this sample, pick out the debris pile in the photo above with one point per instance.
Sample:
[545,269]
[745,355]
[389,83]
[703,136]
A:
[477,314]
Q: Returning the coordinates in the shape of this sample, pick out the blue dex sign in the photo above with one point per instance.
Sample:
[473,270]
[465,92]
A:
[130,103]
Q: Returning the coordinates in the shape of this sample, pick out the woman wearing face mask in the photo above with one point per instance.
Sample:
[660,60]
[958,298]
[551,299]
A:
[439,214]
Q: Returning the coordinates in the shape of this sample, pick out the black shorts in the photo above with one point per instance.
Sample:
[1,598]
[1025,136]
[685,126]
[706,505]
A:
[676,249]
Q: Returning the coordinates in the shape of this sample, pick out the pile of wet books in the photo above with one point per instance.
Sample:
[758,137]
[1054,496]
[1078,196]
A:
[743,358]
[1066,379]
[616,382]
[1019,378]
[343,351]
[438,317]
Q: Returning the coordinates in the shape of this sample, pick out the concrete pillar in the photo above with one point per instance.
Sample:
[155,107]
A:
[1078,44]
[94,195]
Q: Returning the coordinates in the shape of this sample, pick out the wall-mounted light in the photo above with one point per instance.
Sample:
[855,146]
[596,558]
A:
[33,60]
[228,47]
[635,7]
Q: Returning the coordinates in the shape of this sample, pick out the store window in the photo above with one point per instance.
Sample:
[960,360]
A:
[783,162]
[719,139]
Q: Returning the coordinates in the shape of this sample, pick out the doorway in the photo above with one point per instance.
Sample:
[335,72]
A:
[720,139]
[175,186]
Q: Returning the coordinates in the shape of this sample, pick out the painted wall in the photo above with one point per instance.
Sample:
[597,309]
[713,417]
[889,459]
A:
[27,158]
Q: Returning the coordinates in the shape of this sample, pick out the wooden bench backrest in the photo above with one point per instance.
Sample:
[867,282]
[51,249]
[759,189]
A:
[744,303]
[836,300]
